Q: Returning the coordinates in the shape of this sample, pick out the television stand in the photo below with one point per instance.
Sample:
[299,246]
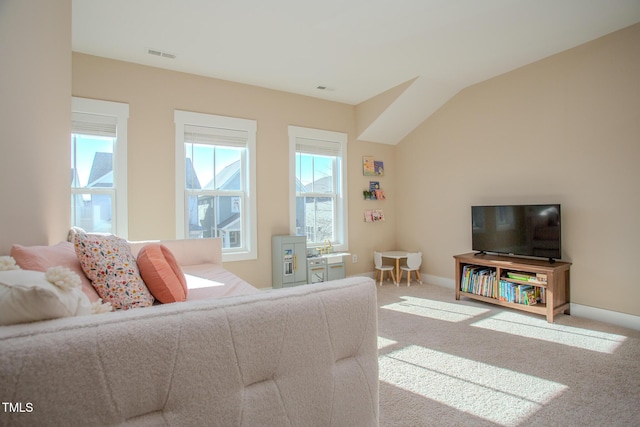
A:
[511,282]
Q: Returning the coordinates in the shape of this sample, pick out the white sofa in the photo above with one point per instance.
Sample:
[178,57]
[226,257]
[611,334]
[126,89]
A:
[302,356]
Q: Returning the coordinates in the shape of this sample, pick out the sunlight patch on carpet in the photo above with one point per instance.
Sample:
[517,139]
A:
[498,395]
[385,342]
[540,329]
[435,309]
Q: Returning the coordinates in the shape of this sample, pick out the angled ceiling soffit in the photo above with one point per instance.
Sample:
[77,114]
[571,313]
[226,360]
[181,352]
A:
[416,103]
[367,112]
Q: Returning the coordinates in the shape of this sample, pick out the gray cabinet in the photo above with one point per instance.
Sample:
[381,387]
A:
[336,271]
[289,257]
[321,270]
[317,270]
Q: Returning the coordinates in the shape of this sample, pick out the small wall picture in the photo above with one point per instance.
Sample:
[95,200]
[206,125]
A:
[368,166]
[378,167]
[375,191]
[371,167]
[375,215]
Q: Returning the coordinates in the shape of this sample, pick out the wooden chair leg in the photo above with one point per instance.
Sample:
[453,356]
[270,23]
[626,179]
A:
[418,276]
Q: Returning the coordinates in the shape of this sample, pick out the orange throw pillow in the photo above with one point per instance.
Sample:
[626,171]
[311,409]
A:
[161,273]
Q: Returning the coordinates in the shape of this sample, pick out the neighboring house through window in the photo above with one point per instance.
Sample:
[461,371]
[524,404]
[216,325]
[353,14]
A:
[318,186]
[99,166]
[215,181]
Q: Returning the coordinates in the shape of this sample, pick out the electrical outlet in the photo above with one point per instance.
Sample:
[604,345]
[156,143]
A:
[354,258]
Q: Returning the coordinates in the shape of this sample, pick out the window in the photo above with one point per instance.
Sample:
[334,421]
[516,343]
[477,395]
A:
[318,207]
[215,188]
[99,166]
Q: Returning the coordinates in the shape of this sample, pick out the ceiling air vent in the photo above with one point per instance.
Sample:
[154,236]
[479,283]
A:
[160,53]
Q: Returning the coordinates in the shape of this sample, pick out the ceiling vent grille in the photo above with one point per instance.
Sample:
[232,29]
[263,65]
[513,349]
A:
[156,52]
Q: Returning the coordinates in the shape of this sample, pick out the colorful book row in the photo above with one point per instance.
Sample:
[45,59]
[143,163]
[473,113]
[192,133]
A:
[482,281]
[520,294]
[479,281]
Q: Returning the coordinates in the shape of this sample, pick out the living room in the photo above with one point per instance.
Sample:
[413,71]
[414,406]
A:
[563,130]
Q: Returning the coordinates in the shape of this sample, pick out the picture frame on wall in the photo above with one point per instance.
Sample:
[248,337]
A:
[368,166]
[372,167]
[378,168]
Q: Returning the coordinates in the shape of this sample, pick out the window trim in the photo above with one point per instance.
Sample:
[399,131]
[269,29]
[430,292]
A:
[342,214]
[120,111]
[182,118]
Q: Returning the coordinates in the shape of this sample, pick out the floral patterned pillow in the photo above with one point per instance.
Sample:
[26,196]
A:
[108,263]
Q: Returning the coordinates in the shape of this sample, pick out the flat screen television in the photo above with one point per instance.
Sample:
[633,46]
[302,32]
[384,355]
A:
[524,230]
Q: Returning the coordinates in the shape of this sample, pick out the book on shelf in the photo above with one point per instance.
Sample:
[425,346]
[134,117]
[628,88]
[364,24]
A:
[520,276]
[479,280]
[519,294]
[538,278]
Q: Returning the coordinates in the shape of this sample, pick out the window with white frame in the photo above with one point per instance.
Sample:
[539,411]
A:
[99,166]
[215,181]
[318,186]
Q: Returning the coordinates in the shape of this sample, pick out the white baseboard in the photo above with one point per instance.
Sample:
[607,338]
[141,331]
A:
[613,317]
[439,281]
[607,316]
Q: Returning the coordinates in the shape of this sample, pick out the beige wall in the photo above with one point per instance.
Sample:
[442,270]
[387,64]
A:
[153,94]
[563,130]
[35,118]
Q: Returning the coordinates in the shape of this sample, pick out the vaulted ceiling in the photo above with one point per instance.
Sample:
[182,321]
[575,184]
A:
[348,51]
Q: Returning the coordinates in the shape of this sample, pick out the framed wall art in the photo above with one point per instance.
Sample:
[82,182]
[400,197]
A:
[371,167]
[368,166]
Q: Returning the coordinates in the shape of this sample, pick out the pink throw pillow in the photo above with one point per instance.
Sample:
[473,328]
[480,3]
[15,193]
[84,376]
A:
[162,274]
[108,263]
[41,258]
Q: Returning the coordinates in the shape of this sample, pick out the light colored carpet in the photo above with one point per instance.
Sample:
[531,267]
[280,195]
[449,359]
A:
[465,363]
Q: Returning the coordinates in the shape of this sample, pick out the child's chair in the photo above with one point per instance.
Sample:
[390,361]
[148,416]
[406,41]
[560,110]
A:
[380,269]
[414,261]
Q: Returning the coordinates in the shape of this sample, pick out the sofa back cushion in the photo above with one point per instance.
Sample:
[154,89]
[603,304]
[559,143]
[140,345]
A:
[188,251]
[41,258]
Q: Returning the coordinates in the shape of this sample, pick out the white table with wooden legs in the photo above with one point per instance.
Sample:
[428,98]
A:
[397,256]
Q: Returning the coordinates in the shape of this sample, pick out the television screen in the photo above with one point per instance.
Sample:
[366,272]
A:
[526,230]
